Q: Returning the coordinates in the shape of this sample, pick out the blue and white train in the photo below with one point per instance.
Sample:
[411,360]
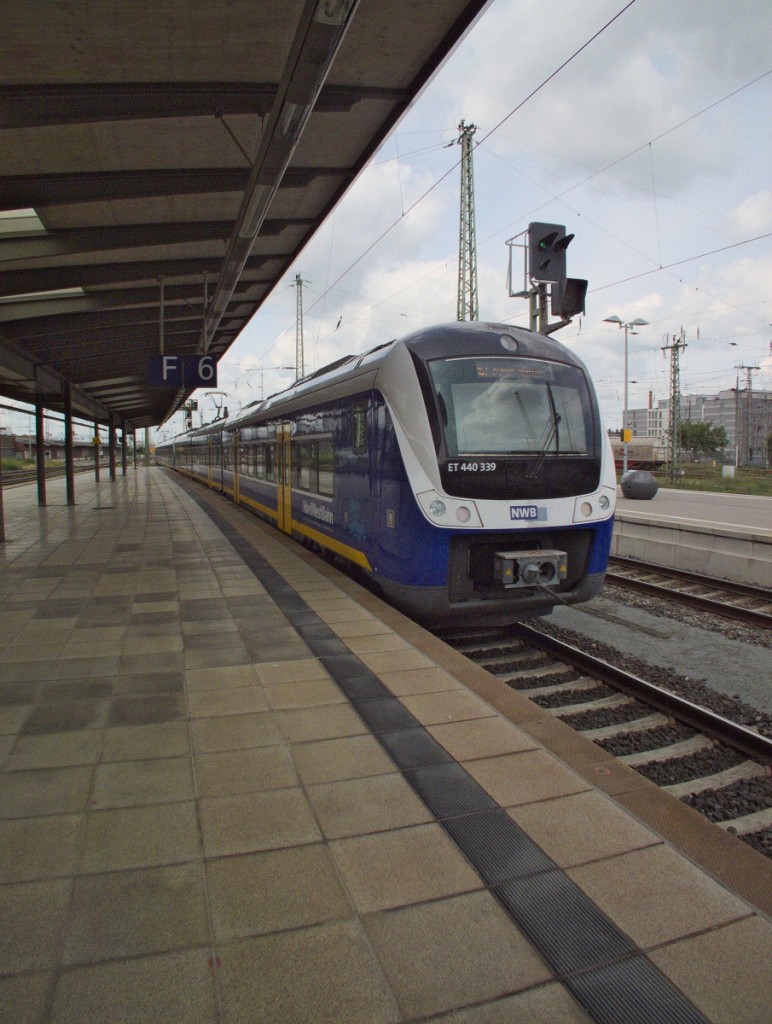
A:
[464,469]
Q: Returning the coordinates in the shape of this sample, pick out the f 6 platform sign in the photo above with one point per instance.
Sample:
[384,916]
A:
[183,371]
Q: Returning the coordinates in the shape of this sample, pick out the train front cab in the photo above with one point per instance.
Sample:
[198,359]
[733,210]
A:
[522,468]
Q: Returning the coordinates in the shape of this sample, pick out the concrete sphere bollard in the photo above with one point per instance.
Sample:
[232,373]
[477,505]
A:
[637,483]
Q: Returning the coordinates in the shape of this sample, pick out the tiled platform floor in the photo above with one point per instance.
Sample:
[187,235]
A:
[196,826]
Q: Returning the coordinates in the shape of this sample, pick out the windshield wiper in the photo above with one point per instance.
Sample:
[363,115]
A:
[552,433]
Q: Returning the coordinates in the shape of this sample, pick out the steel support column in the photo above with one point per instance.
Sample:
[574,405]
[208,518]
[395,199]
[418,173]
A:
[2,514]
[40,453]
[96,450]
[111,445]
[68,453]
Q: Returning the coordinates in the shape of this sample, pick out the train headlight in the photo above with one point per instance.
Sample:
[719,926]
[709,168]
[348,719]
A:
[447,512]
[595,507]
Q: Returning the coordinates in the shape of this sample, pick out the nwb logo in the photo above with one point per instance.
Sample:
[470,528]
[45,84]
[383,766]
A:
[530,512]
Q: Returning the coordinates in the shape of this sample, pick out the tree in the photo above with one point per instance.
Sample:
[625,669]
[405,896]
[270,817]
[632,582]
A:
[702,438]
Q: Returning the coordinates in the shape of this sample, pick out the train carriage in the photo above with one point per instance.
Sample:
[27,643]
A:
[463,469]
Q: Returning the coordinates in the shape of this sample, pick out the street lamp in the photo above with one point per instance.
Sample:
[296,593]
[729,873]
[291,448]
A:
[638,322]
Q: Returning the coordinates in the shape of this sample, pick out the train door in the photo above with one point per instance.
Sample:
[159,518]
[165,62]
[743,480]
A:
[209,459]
[236,467]
[221,460]
[283,478]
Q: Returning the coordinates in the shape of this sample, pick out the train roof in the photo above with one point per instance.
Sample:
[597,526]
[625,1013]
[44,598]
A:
[457,337]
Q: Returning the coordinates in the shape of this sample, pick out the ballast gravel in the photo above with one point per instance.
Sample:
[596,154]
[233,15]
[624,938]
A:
[649,739]
[692,689]
[693,766]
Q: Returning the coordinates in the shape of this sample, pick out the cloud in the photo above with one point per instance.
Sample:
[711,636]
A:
[754,215]
[653,68]
[597,149]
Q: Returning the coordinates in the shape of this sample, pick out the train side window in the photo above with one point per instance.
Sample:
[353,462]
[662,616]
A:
[245,467]
[270,471]
[313,467]
[326,474]
[306,473]
[297,463]
[359,426]
[260,461]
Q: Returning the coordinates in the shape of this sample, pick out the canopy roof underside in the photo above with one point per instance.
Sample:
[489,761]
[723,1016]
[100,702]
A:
[179,156]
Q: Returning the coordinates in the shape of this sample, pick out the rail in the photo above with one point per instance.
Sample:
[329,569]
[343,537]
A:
[741,602]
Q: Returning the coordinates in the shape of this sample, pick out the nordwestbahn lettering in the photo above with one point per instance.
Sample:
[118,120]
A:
[170,371]
[527,512]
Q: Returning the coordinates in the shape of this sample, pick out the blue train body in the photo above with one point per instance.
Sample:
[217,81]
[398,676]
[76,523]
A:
[463,469]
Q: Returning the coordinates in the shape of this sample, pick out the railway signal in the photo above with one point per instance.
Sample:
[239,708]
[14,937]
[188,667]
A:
[547,244]
[567,298]
[544,262]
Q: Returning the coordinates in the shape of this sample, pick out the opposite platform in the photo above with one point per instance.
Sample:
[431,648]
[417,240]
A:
[198,823]
[727,536]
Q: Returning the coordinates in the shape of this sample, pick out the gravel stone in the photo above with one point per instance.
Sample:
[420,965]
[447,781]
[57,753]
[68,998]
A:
[761,841]
[663,608]
[736,800]
[649,739]
[693,766]
[692,689]
[602,717]
[745,797]
[564,698]
[534,682]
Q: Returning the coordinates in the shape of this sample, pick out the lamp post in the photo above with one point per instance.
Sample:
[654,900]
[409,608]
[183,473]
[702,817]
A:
[638,322]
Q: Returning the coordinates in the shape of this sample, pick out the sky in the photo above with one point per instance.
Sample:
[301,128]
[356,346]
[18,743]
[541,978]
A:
[642,127]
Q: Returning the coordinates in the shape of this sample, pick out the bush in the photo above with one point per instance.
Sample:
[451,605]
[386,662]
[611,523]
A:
[700,476]
[10,464]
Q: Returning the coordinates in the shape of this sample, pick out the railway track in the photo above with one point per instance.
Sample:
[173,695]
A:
[25,476]
[750,605]
[719,766]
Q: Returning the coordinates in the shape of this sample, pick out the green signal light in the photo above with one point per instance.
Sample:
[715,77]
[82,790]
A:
[547,242]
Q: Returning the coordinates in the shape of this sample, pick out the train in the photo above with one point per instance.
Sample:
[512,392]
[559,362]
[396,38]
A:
[642,452]
[462,470]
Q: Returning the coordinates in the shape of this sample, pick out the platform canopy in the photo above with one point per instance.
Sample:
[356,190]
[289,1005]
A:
[163,164]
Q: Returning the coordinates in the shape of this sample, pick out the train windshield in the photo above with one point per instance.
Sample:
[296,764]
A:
[512,406]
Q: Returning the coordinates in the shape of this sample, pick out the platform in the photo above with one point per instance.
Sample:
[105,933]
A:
[236,787]
[727,536]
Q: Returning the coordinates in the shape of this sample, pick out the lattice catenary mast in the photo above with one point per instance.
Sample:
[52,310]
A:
[299,359]
[467,241]
[674,416]
[744,425]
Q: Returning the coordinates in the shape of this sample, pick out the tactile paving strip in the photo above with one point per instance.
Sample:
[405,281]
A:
[603,968]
